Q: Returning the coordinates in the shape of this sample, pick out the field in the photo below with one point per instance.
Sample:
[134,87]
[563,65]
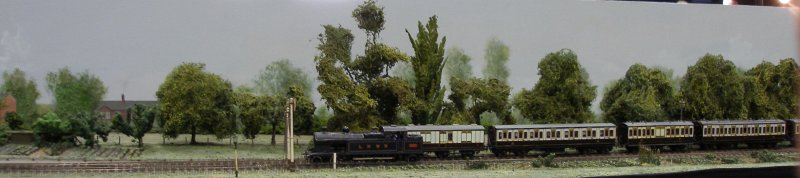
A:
[121,147]
[399,172]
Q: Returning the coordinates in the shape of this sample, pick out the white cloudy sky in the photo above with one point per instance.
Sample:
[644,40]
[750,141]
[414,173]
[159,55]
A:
[132,45]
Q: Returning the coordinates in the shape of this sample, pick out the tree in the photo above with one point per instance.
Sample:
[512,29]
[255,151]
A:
[278,76]
[496,58]
[274,113]
[758,85]
[51,129]
[139,121]
[359,90]
[87,125]
[786,87]
[457,65]
[485,95]
[321,117]
[24,91]
[304,111]
[370,18]
[193,100]
[563,93]
[427,63]
[13,120]
[643,94]
[713,89]
[3,134]
[75,93]
[769,90]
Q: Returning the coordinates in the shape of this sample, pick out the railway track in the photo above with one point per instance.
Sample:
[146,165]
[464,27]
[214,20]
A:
[247,164]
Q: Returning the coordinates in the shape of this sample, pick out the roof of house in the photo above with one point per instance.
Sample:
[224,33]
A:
[119,105]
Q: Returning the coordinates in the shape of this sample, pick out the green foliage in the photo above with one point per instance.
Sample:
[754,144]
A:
[497,54]
[278,76]
[485,95]
[765,156]
[139,121]
[563,93]
[547,161]
[428,62]
[303,112]
[14,121]
[713,89]
[476,165]
[193,100]
[643,94]
[360,91]
[321,117]
[370,18]
[648,156]
[4,133]
[769,90]
[404,71]
[731,160]
[457,65]
[75,93]
[51,129]
[24,92]
[87,125]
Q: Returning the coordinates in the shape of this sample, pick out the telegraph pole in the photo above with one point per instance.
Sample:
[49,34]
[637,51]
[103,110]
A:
[289,131]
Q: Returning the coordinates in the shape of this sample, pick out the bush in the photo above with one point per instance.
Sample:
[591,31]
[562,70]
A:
[3,133]
[50,129]
[477,165]
[547,161]
[648,156]
[764,156]
[711,157]
[14,120]
[730,160]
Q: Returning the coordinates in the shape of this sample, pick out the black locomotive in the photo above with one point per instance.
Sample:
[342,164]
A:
[391,143]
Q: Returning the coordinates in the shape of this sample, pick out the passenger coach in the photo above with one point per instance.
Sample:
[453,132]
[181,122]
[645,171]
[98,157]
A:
[675,135]
[520,139]
[729,133]
[441,140]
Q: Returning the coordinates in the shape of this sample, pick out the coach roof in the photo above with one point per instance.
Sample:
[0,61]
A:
[538,126]
[738,122]
[442,127]
[646,124]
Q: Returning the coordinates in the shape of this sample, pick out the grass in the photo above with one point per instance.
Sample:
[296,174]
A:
[390,172]
[121,147]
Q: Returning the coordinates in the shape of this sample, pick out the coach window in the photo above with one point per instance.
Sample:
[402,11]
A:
[525,135]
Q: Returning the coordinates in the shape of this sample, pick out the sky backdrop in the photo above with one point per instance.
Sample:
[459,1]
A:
[133,45]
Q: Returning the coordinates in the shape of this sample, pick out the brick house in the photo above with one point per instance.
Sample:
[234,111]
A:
[109,109]
[9,105]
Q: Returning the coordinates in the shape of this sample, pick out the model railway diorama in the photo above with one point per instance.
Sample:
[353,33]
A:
[413,142]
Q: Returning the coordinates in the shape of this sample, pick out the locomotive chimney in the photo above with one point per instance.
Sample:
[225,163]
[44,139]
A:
[123,98]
